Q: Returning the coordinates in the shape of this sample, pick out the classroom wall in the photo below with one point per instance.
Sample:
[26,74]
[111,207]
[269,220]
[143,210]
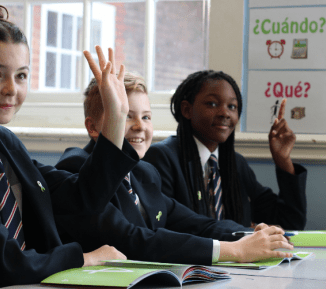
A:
[265,173]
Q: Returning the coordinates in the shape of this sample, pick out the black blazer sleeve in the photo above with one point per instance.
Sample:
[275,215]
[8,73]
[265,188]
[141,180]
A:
[30,266]
[287,209]
[98,179]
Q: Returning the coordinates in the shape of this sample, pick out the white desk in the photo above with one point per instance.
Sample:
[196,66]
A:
[302,274]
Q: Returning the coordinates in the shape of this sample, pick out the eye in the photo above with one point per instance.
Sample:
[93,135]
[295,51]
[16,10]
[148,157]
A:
[233,107]
[212,104]
[128,116]
[22,76]
[147,117]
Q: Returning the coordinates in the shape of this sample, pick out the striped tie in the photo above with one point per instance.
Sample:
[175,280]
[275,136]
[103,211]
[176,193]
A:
[215,188]
[9,211]
[133,195]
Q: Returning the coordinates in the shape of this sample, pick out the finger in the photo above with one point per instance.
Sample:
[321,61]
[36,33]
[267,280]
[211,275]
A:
[106,71]
[281,254]
[121,73]
[274,230]
[281,112]
[280,245]
[93,66]
[101,57]
[278,237]
[279,126]
[261,226]
[112,60]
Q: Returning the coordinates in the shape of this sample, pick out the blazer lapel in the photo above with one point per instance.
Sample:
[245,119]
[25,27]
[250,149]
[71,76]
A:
[36,202]
[151,199]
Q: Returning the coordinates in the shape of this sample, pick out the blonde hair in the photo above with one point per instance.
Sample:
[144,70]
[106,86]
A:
[93,106]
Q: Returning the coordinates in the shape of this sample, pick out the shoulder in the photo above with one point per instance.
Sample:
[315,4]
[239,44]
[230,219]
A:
[167,146]
[72,159]
[147,170]
[10,141]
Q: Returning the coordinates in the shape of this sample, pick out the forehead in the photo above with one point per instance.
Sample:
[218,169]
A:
[13,55]
[138,100]
[214,87]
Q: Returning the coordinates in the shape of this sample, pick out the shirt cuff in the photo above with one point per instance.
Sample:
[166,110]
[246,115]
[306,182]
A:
[216,251]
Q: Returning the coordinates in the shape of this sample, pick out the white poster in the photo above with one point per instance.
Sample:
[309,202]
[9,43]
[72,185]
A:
[286,59]
[305,94]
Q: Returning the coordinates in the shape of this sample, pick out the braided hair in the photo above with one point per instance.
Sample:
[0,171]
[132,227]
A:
[231,197]
[9,32]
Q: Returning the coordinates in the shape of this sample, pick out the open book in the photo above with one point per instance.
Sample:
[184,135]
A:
[308,239]
[126,274]
[263,264]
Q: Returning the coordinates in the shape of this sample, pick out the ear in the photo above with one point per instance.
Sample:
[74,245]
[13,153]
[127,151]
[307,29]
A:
[90,125]
[186,109]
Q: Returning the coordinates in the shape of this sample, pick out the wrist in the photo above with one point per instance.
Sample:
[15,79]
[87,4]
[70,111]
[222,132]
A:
[230,251]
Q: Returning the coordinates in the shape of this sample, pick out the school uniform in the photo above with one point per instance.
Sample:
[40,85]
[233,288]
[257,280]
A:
[160,229]
[45,192]
[260,204]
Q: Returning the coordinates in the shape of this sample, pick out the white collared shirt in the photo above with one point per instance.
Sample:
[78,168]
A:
[204,154]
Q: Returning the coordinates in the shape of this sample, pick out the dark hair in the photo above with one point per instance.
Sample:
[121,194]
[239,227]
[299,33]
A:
[9,32]
[231,197]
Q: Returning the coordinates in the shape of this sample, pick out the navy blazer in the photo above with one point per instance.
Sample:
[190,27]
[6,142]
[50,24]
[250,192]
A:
[287,209]
[172,232]
[65,195]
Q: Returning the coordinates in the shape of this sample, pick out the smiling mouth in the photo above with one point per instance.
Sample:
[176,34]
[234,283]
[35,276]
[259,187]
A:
[6,106]
[136,140]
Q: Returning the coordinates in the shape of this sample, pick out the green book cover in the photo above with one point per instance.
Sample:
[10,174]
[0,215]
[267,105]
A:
[126,274]
[309,239]
[263,264]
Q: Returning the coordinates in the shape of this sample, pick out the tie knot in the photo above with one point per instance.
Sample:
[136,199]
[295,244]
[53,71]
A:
[213,161]
[127,178]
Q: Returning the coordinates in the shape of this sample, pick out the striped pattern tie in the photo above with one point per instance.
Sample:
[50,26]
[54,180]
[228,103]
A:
[133,195]
[9,211]
[215,188]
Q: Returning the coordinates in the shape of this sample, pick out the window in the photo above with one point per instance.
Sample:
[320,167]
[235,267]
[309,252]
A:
[164,40]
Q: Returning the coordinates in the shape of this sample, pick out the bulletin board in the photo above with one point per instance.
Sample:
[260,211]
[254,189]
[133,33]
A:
[285,57]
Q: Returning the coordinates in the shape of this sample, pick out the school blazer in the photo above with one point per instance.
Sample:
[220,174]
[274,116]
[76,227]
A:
[172,232]
[65,194]
[260,204]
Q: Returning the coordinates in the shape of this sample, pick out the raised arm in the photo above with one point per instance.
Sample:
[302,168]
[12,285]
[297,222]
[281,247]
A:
[113,93]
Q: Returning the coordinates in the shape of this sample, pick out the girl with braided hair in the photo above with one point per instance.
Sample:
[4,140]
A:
[207,106]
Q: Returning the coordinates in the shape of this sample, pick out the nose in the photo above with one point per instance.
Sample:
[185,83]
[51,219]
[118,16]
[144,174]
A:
[224,111]
[9,87]
[138,124]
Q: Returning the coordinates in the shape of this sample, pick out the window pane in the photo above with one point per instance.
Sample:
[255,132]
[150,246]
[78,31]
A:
[65,71]
[67,34]
[67,31]
[16,14]
[52,29]
[96,32]
[50,69]
[180,42]
[126,32]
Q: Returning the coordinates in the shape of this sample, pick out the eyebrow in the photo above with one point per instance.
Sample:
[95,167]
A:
[147,111]
[21,68]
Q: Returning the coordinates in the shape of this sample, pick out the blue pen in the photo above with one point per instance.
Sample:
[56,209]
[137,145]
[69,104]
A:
[246,233]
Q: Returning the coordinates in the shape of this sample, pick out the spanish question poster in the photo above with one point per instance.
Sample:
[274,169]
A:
[286,58]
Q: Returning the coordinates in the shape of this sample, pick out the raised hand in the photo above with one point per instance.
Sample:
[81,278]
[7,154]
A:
[258,246]
[281,141]
[103,253]
[113,93]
